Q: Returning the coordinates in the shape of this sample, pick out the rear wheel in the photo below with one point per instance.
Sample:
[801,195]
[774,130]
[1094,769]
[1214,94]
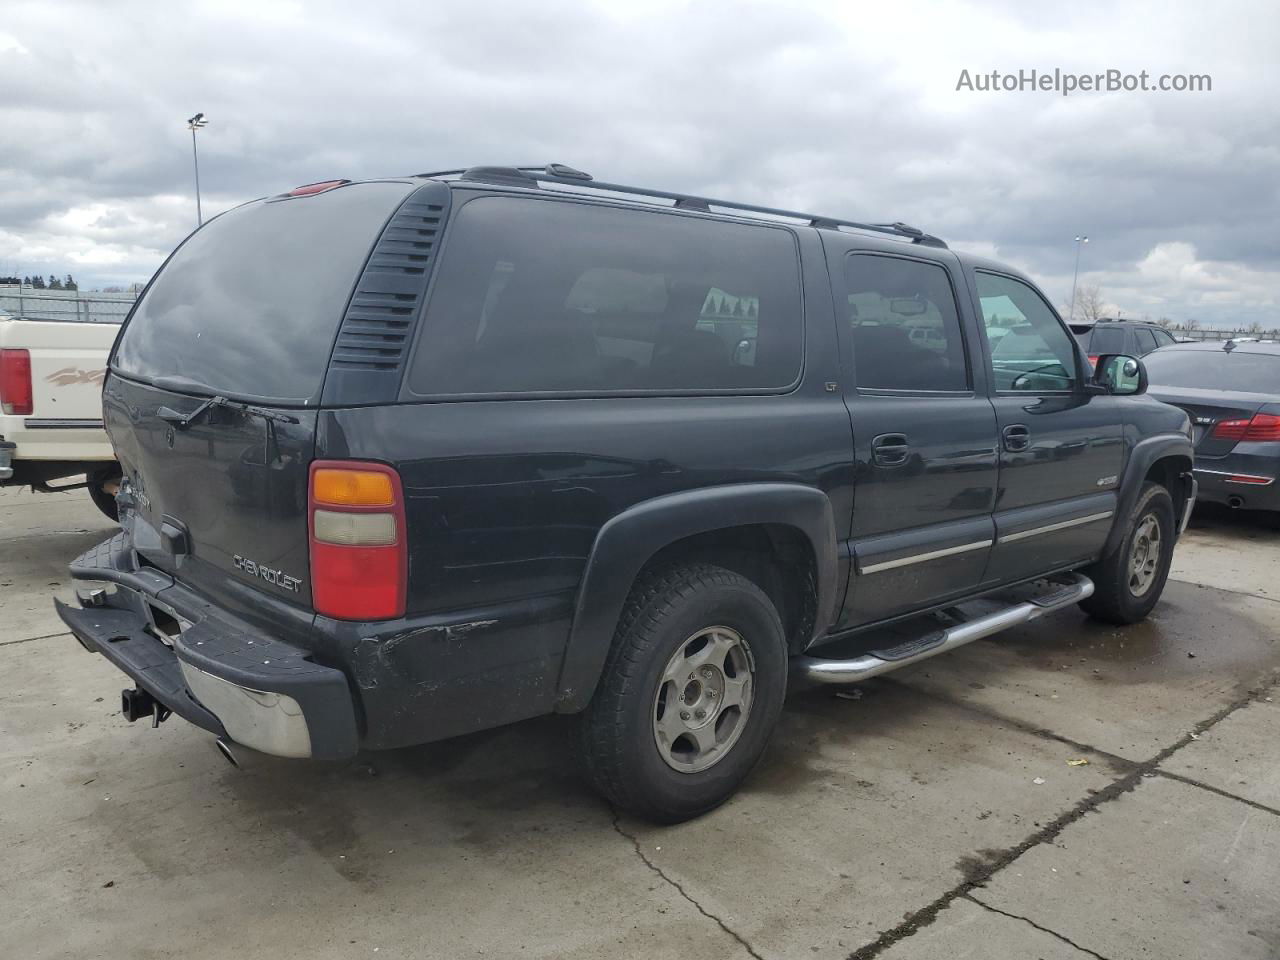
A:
[103,486]
[1128,583]
[690,693]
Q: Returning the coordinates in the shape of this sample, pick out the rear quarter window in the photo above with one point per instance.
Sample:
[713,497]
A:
[559,297]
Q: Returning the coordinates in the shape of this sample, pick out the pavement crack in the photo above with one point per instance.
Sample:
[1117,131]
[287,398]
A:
[1238,593]
[1027,920]
[635,843]
[1219,791]
[926,915]
[47,636]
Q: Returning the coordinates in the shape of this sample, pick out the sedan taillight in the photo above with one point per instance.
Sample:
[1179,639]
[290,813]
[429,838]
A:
[1262,428]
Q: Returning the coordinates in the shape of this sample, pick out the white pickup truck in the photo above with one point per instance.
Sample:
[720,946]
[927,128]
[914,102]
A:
[51,375]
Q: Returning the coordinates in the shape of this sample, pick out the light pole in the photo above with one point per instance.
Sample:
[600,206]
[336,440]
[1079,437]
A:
[1080,242]
[194,124]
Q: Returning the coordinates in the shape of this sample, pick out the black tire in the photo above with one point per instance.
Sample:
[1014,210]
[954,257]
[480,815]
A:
[1114,599]
[618,740]
[104,501]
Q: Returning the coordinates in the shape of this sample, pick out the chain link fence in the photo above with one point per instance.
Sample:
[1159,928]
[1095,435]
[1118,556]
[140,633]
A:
[32,304]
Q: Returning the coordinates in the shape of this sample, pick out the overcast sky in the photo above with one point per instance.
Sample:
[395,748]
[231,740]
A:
[843,108]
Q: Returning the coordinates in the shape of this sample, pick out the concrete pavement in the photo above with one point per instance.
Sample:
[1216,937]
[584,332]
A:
[937,816]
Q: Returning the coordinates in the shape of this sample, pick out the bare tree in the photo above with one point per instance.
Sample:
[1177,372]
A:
[1165,322]
[1191,323]
[1089,304]
[1254,329]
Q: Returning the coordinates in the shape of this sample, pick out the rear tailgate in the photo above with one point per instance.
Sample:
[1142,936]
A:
[246,311]
[220,504]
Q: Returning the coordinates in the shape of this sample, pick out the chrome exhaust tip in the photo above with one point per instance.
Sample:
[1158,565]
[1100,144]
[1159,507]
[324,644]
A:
[224,748]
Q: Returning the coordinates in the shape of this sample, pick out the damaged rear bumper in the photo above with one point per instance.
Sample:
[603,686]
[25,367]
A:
[208,668]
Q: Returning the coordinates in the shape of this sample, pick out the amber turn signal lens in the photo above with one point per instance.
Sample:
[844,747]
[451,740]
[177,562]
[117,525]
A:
[352,488]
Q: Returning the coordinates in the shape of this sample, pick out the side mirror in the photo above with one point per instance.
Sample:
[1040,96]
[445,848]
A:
[1120,375]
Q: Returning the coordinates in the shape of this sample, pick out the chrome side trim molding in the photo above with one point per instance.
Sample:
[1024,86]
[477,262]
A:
[1050,528]
[1237,473]
[922,557]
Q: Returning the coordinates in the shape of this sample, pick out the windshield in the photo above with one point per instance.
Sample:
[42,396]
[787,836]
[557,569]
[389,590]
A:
[249,305]
[1215,370]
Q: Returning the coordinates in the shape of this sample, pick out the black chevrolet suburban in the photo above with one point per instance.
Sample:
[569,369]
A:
[410,458]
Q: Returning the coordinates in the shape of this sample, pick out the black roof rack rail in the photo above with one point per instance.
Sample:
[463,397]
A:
[567,176]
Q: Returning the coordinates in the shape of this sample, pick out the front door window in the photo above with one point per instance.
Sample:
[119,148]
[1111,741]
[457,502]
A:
[1031,351]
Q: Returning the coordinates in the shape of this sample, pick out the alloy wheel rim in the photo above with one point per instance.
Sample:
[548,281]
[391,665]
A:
[703,700]
[1144,556]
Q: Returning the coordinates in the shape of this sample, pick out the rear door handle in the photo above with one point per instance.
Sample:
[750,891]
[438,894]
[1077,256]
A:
[890,449]
[1016,437]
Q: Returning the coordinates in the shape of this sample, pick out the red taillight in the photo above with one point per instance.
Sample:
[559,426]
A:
[359,553]
[15,382]
[1262,428]
[312,188]
[1249,478]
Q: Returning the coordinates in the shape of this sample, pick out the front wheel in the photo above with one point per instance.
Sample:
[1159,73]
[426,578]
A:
[690,693]
[1128,583]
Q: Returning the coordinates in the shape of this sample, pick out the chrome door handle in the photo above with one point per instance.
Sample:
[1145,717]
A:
[890,449]
[1016,437]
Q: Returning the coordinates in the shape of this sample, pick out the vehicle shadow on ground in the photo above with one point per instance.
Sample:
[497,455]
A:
[1222,521]
[521,777]
[510,779]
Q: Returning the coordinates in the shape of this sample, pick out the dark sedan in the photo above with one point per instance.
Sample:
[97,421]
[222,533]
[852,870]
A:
[1232,393]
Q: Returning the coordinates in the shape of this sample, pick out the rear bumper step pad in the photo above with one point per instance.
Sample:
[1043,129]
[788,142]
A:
[221,675]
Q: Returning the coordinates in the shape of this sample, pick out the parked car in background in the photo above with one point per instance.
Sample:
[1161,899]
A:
[1134,338]
[398,469]
[51,407]
[1231,391]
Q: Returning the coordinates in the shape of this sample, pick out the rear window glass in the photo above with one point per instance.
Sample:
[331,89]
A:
[538,296]
[250,304]
[1214,370]
[1106,340]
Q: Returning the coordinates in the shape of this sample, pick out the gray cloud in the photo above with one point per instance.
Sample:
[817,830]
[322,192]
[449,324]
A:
[847,109]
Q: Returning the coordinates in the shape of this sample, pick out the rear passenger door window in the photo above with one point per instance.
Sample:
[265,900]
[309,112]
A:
[904,329]
[560,297]
[1030,348]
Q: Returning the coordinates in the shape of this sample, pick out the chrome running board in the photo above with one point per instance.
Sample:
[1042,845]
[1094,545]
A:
[877,662]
